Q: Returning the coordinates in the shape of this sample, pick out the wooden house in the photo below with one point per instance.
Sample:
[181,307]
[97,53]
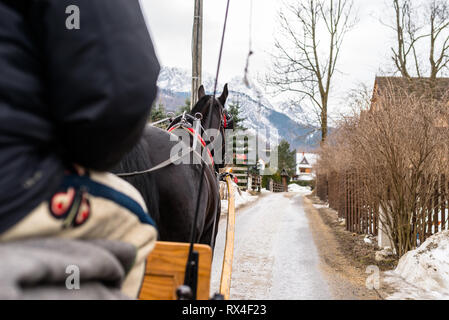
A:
[304,166]
[400,86]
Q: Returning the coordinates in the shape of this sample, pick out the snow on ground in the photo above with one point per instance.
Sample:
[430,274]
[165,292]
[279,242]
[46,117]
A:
[423,273]
[240,199]
[302,190]
[320,206]
[306,177]
[367,240]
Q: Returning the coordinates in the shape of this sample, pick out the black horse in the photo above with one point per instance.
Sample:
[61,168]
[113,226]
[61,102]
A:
[171,193]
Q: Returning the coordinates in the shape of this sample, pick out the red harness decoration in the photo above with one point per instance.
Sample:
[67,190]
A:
[225,124]
[199,138]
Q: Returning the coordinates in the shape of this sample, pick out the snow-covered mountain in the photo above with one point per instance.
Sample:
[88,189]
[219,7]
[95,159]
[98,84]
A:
[256,109]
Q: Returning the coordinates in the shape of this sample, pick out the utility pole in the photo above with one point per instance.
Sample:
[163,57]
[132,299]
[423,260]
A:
[197,48]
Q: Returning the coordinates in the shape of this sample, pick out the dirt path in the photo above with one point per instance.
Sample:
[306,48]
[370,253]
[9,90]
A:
[346,281]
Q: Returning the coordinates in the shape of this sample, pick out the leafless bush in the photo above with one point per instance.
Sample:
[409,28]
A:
[399,149]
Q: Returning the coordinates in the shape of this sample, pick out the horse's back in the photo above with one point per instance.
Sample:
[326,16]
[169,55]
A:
[171,192]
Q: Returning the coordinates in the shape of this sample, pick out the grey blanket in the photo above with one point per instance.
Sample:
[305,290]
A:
[49,269]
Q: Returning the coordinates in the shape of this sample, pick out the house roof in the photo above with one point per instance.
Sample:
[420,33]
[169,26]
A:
[310,158]
[305,160]
[418,86]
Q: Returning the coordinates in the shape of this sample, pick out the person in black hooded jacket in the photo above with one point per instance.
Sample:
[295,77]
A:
[71,98]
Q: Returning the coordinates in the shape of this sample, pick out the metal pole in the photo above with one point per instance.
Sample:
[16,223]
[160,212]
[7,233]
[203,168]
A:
[197,48]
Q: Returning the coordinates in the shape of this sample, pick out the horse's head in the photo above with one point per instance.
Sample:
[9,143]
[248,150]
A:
[220,119]
[213,116]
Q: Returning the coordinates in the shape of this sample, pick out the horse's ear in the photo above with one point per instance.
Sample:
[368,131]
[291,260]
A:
[224,95]
[201,92]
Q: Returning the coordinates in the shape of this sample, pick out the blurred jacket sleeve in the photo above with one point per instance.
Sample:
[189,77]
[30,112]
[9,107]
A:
[102,77]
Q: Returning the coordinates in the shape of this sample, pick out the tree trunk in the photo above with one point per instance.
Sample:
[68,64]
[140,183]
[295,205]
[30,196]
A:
[324,124]
[324,131]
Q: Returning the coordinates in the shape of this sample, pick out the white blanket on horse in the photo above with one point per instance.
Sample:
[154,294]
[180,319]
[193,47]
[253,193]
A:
[64,269]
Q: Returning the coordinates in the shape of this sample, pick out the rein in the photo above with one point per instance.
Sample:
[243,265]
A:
[163,164]
[191,269]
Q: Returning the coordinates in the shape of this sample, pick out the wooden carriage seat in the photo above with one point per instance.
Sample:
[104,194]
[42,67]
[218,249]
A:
[165,271]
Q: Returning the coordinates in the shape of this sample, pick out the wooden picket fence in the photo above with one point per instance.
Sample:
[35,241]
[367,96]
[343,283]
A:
[437,210]
[342,192]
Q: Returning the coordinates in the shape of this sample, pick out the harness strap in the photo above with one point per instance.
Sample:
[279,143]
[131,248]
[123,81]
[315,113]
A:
[161,121]
[225,124]
[195,135]
[176,157]
[195,141]
[163,164]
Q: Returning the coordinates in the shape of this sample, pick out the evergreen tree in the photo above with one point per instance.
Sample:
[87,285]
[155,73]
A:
[287,158]
[185,107]
[234,111]
[157,113]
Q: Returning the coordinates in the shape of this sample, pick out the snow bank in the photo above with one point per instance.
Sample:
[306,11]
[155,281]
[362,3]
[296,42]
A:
[296,188]
[240,199]
[306,178]
[244,198]
[423,273]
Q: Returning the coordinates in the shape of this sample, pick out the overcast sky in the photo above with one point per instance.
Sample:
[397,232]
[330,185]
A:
[365,50]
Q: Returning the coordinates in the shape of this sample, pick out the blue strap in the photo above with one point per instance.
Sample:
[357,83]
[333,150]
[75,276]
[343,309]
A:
[103,191]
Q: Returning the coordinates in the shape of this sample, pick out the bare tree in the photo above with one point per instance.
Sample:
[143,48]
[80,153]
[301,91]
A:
[407,34]
[415,24]
[307,51]
[398,151]
[438,12]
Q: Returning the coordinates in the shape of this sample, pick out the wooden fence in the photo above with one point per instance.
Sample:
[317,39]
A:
[437,210]
[241,173]
[342,192]
[276,187]
[256,182]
